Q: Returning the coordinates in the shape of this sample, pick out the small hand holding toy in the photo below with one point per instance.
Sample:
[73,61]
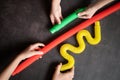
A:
[66,21]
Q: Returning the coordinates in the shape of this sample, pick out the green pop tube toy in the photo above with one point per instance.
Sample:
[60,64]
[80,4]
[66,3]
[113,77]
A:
[66,21]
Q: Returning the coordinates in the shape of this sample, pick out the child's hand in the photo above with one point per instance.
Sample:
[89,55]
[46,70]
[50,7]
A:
[92,8]
[63,76]
[56,14]
[30,51]
[87,14]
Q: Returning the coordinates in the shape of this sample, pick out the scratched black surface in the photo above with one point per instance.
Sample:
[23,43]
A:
[23,22]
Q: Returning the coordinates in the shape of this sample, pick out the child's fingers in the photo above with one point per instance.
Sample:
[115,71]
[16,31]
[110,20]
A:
[81,14]
[58,20]
[58,68]
[60,14]
[41,44]
[73,70]
[84,15]
[71,73]
[61,17]
[36,52]
[39,52]
[30,54]
[36,45]
[52,19]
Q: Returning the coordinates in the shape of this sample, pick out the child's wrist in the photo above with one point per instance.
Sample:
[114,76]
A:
[21,56]
[92,8]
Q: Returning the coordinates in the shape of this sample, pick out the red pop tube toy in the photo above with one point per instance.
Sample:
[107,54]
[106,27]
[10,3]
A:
[66,35]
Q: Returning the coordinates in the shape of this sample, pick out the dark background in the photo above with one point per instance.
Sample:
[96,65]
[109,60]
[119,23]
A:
[23,22]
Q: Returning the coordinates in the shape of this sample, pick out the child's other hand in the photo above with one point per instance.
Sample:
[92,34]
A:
[30,51]
[87,14]
[56,14]
[92,8]
[63,76]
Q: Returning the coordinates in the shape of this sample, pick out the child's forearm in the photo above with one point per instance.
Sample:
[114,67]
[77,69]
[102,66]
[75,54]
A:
[99,4]
[5,75]
[28,52]
[56,1]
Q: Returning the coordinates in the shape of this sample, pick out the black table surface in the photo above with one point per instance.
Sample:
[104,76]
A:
[23,22]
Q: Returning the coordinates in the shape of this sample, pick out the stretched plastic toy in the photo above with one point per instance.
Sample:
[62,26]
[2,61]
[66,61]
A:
[66,21]
[79,49]
[66,35]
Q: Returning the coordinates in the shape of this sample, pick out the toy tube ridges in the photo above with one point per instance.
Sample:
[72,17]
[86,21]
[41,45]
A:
[66,35]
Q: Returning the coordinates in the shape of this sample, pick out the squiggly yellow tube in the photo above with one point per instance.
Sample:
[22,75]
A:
[79,49]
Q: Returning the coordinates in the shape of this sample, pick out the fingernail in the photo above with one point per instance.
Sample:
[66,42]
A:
[60,63]
[78,14]
[40,56]
[59,23]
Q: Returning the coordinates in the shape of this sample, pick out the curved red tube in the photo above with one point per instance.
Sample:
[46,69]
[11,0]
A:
[66,35]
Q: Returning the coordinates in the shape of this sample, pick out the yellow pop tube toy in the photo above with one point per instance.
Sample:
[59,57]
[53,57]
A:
[79,49]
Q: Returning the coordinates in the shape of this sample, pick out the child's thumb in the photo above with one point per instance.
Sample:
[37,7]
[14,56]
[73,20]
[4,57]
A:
[81,14]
